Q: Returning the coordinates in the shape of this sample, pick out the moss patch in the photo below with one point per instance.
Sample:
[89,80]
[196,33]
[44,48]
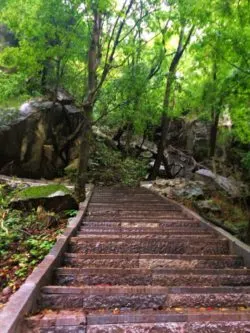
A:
[41,191]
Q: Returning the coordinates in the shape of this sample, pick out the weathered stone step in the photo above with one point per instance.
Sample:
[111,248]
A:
[144,235]
[132,201]
[149,218]
[142,297]
[146,261]
[128,200]
[134,206]
[193,321]
[144,224]
[136,214]
[129,195]
[143,231]
[138,219]
[175,245]
[161,277]
[132,209]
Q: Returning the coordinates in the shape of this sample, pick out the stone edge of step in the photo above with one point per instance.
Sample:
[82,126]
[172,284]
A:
[24,300]
[75,318]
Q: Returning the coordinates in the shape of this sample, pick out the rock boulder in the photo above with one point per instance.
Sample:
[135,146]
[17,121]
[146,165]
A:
[56,202]
[232,187]
[35,144]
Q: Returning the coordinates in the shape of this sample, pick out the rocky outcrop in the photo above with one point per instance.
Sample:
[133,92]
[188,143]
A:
[56,202]
[189,136]
[40,142]
[177,188]
[178,164]
[233,188]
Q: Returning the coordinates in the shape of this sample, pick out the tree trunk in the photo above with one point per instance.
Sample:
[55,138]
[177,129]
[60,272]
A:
[161,147]
[94,57]
[165,119]
[44,75]
[214,132]
[164,124]
[84,151]
[93,61]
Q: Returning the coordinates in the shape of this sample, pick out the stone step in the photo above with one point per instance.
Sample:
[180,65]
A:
[140,264]
[142,297]
[143,203]
[136,214]
[143,231]
[143,224]
[143,235]
[159,277]
[133,206]
[151,261]
[149,218]
[130,209]
[189,321]
[121,201]
[175,245]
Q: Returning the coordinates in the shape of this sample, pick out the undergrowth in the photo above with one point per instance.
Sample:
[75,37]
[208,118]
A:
[25,239]
[108,166]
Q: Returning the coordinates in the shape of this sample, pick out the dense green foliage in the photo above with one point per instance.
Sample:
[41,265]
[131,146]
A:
[212,76]
[108,167]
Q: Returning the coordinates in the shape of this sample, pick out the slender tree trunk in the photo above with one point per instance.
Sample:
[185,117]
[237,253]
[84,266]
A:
[44,75]
[169,84]
[93,61]
[84,151]
[164,124]
[214,132]
[93,87]
[161,146]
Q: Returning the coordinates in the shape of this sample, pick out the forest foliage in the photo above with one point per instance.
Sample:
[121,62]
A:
[133,61]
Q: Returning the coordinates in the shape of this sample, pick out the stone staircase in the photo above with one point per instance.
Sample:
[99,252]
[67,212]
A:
[140,264]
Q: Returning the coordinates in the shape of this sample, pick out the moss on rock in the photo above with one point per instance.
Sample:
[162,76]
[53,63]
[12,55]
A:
[41,191]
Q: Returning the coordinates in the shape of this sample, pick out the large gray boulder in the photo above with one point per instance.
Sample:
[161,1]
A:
[56,202]
[36,144]
[179,164]
[178,188]
[197,135]
[232,187]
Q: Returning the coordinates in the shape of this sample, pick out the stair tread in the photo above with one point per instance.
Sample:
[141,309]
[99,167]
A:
[152,256]
[124,289]
[140,263]
[77,316]
[156,271]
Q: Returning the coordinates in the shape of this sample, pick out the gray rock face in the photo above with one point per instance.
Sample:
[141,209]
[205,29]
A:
[35,145]
[190,192]
[179,163]
[178,187]
[230,186]
[64,97]
[192,137]
[197,138]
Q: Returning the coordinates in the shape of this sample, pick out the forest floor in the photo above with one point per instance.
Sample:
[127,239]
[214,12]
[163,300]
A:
[25,239]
